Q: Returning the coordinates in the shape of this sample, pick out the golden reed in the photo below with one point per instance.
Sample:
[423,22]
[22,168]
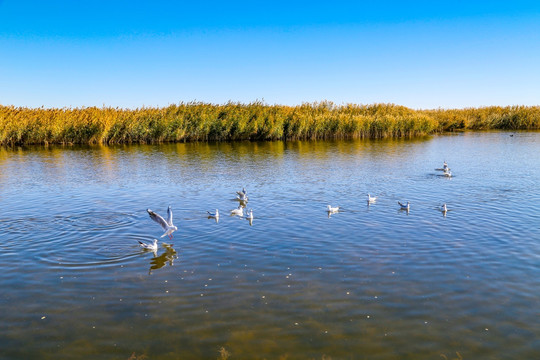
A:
[197,121]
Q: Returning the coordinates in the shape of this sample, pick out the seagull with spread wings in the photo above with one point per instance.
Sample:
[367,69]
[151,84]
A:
[167,226]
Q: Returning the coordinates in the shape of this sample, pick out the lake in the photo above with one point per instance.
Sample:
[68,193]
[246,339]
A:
[369,282]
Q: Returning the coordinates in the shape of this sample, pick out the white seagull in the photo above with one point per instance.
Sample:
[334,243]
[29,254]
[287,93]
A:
[250,214]
[332,209]
[238,211]
[404,206]
[371,199]
[151,247]
[242,193]
[167,226]
[444,208]
[444,168]
[213,215]
[242,196]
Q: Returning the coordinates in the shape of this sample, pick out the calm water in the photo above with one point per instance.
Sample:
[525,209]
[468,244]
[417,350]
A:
[366,283]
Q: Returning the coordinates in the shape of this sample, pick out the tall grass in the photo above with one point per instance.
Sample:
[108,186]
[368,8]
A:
[255,121]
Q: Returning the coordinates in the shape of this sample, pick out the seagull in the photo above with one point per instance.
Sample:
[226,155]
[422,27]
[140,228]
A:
[242,196]
[445,167]
[242,193]
[151,247]
[250,214]
[332,209]
[214,215]
[238,211]
[443,208]
[371,199]
[404,206]
[166,225]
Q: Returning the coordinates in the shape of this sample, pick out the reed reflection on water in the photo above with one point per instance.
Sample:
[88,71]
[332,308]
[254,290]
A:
[370,280]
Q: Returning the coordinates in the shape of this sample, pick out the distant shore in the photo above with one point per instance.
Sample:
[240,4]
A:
[254,121]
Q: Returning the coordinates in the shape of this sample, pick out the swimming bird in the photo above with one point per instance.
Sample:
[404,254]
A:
[151,247]
[250,214]
[404,206]
[213,215]
[444,208]
[238,211]
[167,226]
[371,199]
[444,168]
[332,209]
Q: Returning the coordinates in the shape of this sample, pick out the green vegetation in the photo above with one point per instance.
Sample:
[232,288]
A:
[254,121]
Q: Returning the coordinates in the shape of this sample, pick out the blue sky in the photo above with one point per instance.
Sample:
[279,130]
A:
[421,54]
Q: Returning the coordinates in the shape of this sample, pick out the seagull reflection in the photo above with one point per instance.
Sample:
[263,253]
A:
[242,203]
[249,217]
[157,262]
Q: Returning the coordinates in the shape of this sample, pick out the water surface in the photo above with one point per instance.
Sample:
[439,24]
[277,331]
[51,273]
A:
[369,282]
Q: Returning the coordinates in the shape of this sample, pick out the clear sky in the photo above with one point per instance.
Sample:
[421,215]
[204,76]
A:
[421,54]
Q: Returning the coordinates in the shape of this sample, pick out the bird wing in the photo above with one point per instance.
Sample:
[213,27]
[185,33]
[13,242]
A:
[169,219]
[157,218]
[143,245]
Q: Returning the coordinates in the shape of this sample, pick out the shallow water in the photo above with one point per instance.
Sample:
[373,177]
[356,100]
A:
[371,282]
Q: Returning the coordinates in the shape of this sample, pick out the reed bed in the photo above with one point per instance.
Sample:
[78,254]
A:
[197,121]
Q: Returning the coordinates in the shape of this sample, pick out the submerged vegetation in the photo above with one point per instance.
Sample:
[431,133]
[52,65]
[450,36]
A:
[255,121]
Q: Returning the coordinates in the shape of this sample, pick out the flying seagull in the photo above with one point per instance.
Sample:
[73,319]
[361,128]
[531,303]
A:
[241,196]
[167,226]
[242,193]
